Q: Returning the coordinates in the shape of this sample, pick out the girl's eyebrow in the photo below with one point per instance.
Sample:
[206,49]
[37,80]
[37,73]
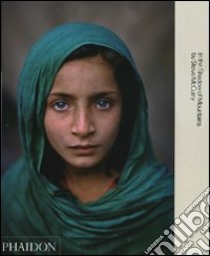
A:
[94,95]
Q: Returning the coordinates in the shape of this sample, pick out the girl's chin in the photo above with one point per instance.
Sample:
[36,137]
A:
[83,165]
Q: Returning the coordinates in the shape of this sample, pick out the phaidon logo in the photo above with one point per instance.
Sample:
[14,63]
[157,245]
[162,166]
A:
[30,245]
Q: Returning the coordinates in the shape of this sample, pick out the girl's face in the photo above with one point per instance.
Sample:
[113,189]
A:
[83,112]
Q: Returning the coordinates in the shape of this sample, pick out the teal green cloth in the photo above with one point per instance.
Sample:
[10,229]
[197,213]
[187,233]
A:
[128,218]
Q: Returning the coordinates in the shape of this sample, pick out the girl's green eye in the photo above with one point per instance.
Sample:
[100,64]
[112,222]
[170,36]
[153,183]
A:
[103,104]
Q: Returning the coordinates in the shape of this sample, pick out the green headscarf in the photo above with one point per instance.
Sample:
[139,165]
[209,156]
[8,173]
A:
[128,218]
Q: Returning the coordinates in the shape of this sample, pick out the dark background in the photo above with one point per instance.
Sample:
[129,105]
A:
[147,27]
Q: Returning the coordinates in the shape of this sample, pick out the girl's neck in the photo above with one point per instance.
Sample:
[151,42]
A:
[90,184]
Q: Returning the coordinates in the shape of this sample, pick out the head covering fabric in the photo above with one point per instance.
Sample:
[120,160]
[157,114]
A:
[128,218]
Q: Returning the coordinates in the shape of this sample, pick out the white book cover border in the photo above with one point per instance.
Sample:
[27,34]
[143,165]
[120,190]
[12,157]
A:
[191,105]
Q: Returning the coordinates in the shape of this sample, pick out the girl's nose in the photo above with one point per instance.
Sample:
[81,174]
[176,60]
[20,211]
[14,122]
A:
[82,124]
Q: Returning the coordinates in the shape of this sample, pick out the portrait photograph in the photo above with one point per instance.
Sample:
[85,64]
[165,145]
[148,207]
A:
[104,128]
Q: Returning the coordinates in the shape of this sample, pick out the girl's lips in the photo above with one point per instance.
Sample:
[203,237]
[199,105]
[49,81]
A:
[84,150]
[83,146]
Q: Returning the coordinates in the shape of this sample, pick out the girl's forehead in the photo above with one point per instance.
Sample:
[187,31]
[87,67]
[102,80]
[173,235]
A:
[85,75]
[81,63]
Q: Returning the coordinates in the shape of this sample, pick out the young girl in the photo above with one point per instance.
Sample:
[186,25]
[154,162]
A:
[88,174]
